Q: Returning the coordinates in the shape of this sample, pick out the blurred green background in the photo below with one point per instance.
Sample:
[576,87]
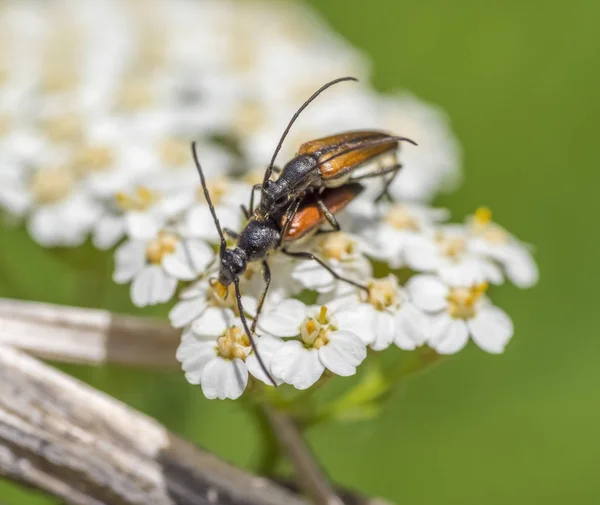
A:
[520,80]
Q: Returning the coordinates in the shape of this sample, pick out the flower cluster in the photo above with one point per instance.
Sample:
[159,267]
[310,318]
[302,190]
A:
[99,101]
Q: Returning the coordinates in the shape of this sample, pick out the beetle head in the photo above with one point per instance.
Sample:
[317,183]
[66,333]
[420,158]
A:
[233,264]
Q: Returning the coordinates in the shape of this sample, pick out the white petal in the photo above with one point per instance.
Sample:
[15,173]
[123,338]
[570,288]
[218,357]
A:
[520,267]
[343,353]
[449,335]
[470,271]
[141,225]
[178,264]
[267,346]
[224,378]
[45,227]
[411,327]
[15,200]
[194,354]
[358,320]
[200,254]
[130,259]
[422,257]
[427,292]
[108,231]
[198,222]
[311,275]
[297,365]
[213,322]
[491,329]
[186,311]
[284,319]
[384,327]
[152,286]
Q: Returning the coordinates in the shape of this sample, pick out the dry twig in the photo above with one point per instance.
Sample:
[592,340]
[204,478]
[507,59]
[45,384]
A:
[60,435]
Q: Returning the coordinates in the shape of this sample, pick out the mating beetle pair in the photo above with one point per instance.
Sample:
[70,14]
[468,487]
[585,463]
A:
[311,188]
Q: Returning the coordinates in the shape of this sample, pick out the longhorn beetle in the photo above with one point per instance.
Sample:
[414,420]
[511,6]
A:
[310,189]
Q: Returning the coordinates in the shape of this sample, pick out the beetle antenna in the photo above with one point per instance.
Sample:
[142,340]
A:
[208,200]
[370,143]
[293,120]
[238,296]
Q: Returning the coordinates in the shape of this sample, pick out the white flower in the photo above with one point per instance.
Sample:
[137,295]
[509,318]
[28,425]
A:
[215,358]
[383,315]
[435,163]
[340,251]
[448,252]
[321,342]
[154,266]
[227,196]
[457,312]
[490,239]
[138,214]
[401,225]
[207,300]
[60,212]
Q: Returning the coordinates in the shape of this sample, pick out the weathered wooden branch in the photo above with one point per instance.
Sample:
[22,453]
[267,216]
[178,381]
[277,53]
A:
[62,436]
[91,336]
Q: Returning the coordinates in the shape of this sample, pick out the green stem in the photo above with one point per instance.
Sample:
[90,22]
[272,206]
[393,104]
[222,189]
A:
[270,448]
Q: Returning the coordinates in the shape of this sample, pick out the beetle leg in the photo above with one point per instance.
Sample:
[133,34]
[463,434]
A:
[330,217]
[378,172]
[388,183]
[276,169]
[289,216]
[394,169]
[245,212]
[251,208]
[238,297]
[267,278]
[310,256]
[231,234]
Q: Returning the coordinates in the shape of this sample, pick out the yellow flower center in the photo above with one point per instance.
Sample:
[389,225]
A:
[217,188]
[315,331]
[136,94]
[162,245]
[250,117]
[339,246]
[482,226]
[254,177]
[242,54]
[452,247]
[52,185]
[64,128]
[58,78]
[223,296]
[5,124]
[383,293]
[93,159]
[462,301]
[174,152]
[400,218]
[233,344]
[141,199]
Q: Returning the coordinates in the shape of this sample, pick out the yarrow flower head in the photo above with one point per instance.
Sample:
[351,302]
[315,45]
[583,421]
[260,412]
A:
[98,107]
[491,240]
[215,357]
[457,312]
[155,265]
[318,339]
